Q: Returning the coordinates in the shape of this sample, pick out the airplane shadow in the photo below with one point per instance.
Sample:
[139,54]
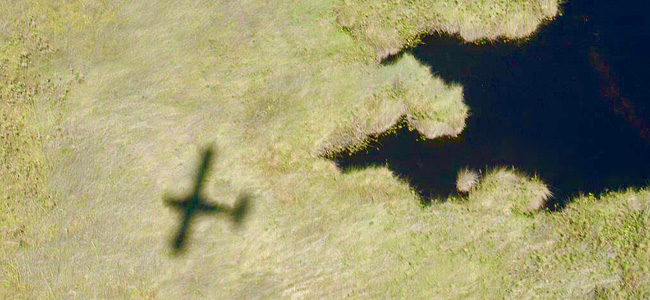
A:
[195,205]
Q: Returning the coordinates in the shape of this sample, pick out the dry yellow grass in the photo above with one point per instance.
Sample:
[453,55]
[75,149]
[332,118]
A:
[271,84]
[385,27]
[404,89]
[508,190]
[466,180]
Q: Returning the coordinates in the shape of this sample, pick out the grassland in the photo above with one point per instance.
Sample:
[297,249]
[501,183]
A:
[386,27]
[105,106]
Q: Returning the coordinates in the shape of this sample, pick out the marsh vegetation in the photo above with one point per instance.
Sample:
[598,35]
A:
[552,106]
[105,103]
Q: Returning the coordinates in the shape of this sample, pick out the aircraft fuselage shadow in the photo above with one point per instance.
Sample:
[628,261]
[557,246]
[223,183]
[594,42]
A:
[195,204]
[561,105]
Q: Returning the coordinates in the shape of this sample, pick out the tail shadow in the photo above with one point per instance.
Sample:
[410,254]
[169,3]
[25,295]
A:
[195,204]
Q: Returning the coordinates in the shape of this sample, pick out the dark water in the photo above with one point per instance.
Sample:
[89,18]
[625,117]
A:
[569,105]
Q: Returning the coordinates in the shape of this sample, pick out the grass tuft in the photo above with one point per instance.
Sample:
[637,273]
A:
[403,89]
[510,191]
[467,180]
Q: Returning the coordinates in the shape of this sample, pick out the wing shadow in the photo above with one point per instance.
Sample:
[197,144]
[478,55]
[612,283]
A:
[195,205]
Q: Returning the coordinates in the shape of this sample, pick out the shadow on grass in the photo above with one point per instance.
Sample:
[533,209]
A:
[195,205]
[552,106]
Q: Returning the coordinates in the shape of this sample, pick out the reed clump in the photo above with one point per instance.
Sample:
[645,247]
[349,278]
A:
[467,180]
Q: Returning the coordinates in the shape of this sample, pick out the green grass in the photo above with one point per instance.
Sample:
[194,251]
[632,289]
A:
[386,27]
[510,191]
[137,88]
[403,93]
[32,99]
